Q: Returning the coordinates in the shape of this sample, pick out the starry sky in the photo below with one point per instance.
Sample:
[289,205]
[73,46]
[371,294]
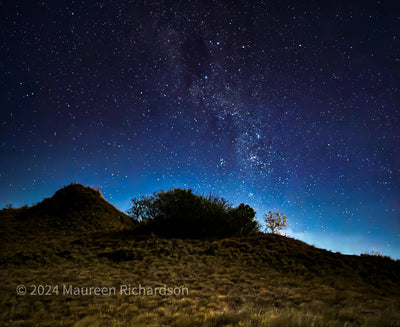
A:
[289,106]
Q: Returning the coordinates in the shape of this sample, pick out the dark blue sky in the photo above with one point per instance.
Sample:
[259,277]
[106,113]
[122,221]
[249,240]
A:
[290,106]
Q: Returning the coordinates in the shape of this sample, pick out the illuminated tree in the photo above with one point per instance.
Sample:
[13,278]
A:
[275,221]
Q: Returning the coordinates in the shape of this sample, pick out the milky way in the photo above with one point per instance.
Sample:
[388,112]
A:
[290,106]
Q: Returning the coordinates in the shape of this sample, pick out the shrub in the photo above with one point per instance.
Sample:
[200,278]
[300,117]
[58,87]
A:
[143,209]
[181,213]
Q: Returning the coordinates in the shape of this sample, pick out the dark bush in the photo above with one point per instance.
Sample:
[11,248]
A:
[181,213]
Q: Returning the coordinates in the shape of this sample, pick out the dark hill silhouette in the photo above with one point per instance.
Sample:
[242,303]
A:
[83,209]
[73,207]
[77,238]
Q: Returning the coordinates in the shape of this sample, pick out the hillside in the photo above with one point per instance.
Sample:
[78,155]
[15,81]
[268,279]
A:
[258,280]
[72,208]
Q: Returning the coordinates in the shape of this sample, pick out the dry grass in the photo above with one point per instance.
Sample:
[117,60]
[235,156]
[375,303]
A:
[254,281]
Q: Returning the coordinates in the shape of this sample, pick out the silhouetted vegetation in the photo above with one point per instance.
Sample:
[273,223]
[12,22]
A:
[181,213]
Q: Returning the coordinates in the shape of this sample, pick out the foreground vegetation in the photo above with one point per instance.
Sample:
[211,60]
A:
[181,213]
[264,280]
[254,280]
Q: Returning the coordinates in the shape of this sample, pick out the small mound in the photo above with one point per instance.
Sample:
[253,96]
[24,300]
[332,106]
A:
[77,207]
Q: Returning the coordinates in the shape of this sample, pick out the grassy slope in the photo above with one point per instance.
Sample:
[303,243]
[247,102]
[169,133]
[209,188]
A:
[254,281]
[262,280]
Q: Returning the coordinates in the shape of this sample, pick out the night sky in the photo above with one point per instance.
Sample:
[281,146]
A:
[290,106]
